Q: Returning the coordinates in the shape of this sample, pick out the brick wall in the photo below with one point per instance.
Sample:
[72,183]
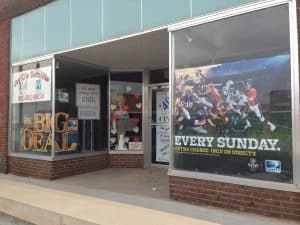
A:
[55,169]
[4,91]
[126,160]
[30,167]
[280,204]
[67,167]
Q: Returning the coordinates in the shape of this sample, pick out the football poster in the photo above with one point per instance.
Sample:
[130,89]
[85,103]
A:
[235,118]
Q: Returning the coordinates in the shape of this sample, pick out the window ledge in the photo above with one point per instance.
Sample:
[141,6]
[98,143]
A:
[56,158]
[27,156]
[132,152]
[79,155]
[235,180]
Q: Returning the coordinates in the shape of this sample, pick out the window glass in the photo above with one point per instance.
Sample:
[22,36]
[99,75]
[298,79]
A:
[201,7]
[81,108]
[159,76]
[33,33]
[126,111]
[31,108]
[16,39]
[86,22]
[233,97]
[166,11]
[57,21]
[121,17]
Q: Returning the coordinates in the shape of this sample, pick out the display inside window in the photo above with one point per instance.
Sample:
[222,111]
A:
[82,123]
[126,112]
[31,130]
[233,105]
[159,76]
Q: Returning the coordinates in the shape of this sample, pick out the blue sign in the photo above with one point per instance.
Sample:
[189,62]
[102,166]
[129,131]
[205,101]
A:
[38,84]
[273,166]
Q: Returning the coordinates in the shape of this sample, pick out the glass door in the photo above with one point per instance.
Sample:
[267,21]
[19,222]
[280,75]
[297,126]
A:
[159,124]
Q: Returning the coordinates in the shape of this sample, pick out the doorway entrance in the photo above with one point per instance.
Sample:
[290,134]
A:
[79,83]
[159,123]
[128,100]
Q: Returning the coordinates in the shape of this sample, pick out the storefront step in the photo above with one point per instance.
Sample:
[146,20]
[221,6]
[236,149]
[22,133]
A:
[45,206]
[9,220]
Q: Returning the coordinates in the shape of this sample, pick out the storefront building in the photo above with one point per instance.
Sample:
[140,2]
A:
[208,89]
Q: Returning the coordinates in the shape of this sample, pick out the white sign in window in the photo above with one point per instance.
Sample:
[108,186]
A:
[162,143]
[88,101]
[162,107]
[32,85]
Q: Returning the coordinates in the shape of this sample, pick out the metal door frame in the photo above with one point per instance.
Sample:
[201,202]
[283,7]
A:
[149,125]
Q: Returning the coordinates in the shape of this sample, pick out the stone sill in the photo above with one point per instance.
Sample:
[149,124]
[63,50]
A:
[129,152]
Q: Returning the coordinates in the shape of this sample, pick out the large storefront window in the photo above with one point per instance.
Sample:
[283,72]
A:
[81,108]
[31,130]
[126,111]
[232,96]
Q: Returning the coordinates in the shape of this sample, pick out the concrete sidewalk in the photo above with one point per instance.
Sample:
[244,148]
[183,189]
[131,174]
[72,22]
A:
[45,206]
[50,202]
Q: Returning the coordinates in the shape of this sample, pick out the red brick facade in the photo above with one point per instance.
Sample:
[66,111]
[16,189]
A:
[30,167]
[126,160]
[67,167]
[4,91]
[56,169]
[281,204]
[60,168]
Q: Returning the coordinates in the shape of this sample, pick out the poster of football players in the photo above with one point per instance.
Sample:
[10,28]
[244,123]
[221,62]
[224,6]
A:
[236,116]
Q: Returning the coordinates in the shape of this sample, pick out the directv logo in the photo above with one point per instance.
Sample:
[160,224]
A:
[273,166]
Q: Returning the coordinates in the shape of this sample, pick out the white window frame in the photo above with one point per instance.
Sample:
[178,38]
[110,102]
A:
[220,15]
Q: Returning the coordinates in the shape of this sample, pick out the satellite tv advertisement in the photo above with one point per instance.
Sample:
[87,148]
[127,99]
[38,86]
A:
[235,118]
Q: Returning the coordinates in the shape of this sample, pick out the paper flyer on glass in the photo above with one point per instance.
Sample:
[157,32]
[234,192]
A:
[32,85]
[88,101]
[162,131]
